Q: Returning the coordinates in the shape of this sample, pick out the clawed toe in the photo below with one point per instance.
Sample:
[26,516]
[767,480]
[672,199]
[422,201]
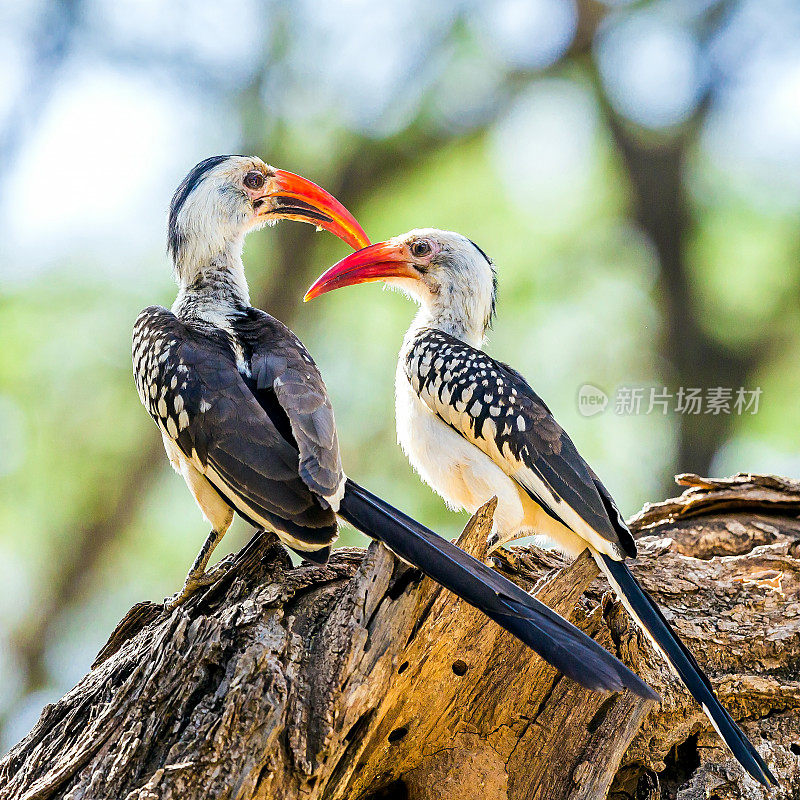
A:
[215,573]
[194,582]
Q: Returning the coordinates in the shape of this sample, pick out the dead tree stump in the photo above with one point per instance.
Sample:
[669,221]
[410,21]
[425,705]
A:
[363,680]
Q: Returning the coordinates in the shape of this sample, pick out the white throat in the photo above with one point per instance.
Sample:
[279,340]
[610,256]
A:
[463,313]
[211,284]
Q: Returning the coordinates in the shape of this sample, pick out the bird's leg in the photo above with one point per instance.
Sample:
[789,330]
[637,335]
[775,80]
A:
[498,538]
[197,576]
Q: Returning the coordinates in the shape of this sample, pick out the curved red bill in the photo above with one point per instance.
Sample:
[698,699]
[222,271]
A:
[300,199]
[374,263]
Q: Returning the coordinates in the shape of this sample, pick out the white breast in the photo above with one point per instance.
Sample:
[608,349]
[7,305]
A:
[466,477]
[453,467]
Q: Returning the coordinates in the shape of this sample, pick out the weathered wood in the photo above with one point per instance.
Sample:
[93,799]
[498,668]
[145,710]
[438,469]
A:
[361,679]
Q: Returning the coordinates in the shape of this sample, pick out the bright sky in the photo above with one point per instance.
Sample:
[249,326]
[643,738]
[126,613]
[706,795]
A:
[108,144]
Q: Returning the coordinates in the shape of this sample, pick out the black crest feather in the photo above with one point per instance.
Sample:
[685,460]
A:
[187,186]
[489,261]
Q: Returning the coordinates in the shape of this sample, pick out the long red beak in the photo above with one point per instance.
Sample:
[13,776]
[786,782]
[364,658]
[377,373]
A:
[374,263]
[297,198]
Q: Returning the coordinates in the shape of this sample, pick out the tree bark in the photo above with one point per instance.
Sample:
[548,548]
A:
[362,679]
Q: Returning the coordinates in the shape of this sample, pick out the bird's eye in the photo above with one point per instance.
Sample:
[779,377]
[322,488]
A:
[254,180]
[420,248]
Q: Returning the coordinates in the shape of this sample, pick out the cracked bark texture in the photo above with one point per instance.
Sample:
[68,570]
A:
[361,679]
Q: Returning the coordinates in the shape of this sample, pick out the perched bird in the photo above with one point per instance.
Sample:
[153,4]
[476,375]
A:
[473,428]
[232,390]
[246,420]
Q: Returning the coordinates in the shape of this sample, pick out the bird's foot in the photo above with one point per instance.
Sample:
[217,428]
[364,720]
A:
[495,540]
[196,580]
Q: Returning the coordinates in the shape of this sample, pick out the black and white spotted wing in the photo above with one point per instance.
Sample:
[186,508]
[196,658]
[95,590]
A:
[494,408]
[234,403]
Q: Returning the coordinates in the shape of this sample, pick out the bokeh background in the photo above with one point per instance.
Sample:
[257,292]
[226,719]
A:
[632,167]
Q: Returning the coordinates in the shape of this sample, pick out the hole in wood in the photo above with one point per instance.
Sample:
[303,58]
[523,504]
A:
[597,720]
[360,726]
[401,583]
[647,785]
[397,734]
[681,762]
[397,790]
[460,667]
[402,668]
[795,748]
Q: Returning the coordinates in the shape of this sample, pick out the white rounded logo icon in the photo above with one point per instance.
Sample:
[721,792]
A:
[591,400]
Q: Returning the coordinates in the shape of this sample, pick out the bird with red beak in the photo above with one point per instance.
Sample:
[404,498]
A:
[203,369]
[474,428]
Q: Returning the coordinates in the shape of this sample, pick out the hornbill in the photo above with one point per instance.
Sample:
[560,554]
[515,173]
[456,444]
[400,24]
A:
[473,427]
[246,420]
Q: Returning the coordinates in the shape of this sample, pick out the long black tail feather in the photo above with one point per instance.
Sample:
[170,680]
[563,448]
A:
[553,638]
[649,616]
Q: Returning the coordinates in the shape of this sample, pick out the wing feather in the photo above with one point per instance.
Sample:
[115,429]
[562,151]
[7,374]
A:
[288,381]
[495,409]
[189,382]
